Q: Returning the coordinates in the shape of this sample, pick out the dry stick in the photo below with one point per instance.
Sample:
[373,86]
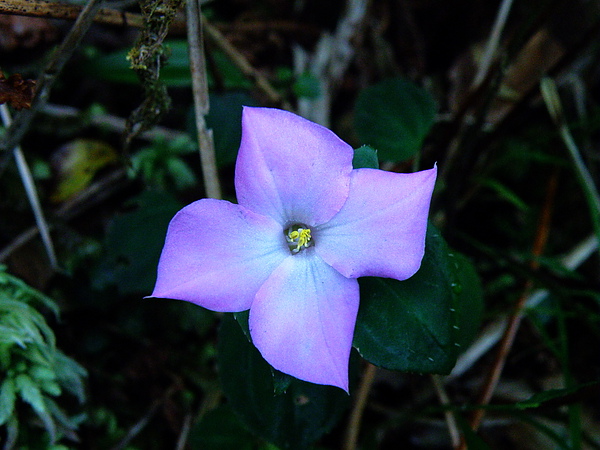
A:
[112,123]
[184,433]
[361,402]
[481,79]
[242,63]
[493,42]
[438,385]
[29,185]
[492,334]
[201,104]
[66,11]
[137,428]
[510,332]
[85,200]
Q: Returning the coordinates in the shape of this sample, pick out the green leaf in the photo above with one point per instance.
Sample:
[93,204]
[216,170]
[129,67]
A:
[70,375]
[293,419]
[221,429]
[225,119]
[30,392]
[134,241]
[51,387]
[180,173]
[42,373]
[7,400]
[17,289]
[469,299]
[365,157]
[559,397]
[505,193]
[394,116]
[411,325]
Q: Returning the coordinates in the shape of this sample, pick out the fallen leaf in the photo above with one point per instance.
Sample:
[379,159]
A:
[16,91]
[76,163]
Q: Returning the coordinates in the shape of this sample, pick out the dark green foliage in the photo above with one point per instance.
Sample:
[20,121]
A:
[291,418]
[35,371]
[133,244]
[394,116]
[420,324]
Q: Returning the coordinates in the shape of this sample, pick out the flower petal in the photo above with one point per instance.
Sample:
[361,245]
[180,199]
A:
[380,231]
[291,169]
[302,320]
[218,254]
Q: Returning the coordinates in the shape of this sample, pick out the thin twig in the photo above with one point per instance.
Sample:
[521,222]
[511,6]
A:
[201,103]
[552,100]
[449,415]
[242,63]
[517,315]
[329,62]
[140,424]
[85,200]
[112,123]
[31,191]
[184,433]
[493,42]
[353,428]
[67,11]
[17,128]
[493,333]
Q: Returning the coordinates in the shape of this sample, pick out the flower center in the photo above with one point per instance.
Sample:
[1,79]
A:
[298,237]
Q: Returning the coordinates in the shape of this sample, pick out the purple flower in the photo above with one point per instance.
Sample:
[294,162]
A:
[306,226]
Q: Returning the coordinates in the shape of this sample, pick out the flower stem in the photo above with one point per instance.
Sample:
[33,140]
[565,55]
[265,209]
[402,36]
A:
[201,103]
[361,402]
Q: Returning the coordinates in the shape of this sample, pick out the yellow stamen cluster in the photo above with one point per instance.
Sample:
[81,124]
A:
[298,237]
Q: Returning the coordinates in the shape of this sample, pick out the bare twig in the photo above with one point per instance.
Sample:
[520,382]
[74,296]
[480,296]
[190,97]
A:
[201,103]
[242,63]
[55,10]
[493,42]
[86,199]
[330,61]
[67,11]
[517,315]
[444,400]
[139,425]
[353,428]
[112,123]
[552,100]
[34,201]
[184,433]
[493,333]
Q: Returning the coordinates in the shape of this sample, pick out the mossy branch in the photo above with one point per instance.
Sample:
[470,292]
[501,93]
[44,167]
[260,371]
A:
[147,57]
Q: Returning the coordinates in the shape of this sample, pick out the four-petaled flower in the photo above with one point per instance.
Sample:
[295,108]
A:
[307,225]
